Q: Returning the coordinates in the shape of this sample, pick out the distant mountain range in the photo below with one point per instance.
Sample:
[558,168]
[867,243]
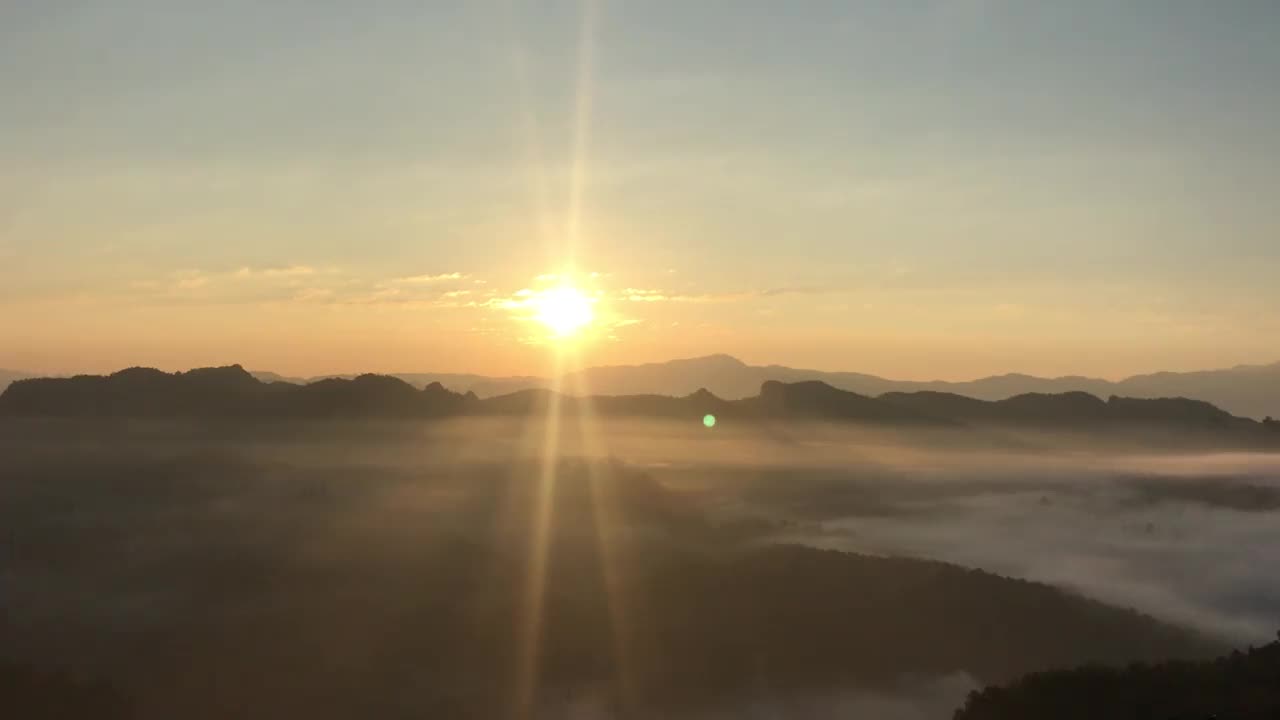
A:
[235,393]
[1247,390]
[481,385]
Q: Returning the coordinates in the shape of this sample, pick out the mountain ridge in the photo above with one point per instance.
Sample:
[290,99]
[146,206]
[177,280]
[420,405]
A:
[233,392]
[1246,390]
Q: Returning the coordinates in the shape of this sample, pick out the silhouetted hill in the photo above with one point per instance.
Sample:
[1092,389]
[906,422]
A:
[521,402]
[1247,390]
[944,405]
[139,392]
[481,385]
[818,400]
[1240,686]
[270,377]
[9,376]
[233,392]
[363,396]
[538,402]
[1252,391]
[1075,409]
[722,375]
[693,405]
[226,391]
[1167,409]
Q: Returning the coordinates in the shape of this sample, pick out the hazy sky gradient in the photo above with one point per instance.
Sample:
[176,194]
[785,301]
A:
[913,189]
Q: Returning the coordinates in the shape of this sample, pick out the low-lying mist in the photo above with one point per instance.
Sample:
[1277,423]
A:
[449,568]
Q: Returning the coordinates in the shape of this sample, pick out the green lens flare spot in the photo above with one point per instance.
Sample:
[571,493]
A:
[709,420]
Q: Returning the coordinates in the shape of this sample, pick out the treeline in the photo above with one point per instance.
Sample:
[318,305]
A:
[1239,686]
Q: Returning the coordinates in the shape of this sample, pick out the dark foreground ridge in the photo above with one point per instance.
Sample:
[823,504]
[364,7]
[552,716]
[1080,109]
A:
[233,392]
[1240,686]
[335,589]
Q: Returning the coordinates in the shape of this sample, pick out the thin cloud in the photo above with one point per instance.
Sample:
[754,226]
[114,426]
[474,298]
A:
[794,290]
[429,279]
[640,295]
[291,271]
[246,284]
[189,280]
[407,291]
[649,295]
[307,285]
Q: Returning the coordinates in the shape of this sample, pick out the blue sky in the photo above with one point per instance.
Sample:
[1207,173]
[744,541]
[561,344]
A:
[919,189]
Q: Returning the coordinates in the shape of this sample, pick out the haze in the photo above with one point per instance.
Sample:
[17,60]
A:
[330,569]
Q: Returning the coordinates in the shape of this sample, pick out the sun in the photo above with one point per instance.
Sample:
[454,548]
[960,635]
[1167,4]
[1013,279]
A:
[564,310]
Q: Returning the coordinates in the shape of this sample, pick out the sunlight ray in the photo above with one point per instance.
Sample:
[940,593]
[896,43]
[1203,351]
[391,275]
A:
[540,530]
[604,516]
[564,260]
[530,132]
[581,132]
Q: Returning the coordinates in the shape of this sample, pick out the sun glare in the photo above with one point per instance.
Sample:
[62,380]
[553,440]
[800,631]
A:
[563,310]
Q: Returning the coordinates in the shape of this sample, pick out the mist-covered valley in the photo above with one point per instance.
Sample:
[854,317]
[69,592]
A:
[608,567]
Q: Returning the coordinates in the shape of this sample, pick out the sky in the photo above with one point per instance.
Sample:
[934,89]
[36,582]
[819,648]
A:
[916,189]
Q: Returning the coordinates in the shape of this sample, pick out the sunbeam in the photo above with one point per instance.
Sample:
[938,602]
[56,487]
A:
[563,318]
[540,528]
[529,132]
[581,130]
[605,518]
